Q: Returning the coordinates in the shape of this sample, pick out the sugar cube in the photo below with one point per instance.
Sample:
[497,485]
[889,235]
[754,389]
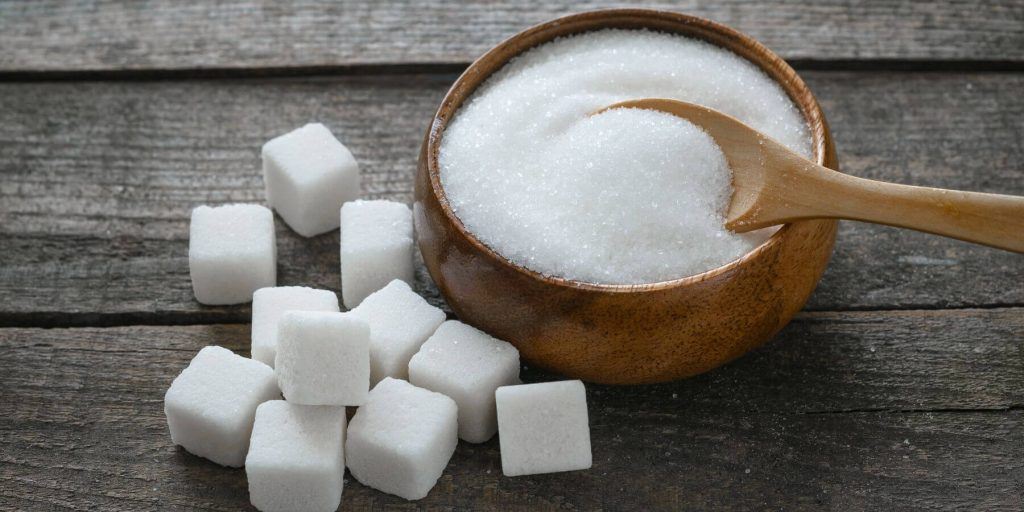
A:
[231,252]
[308,175]
[296,457]
[400,321]
[323,358]
[543,428]
[268,304]
[376,247]
[400,441]
[468,365]
[210,406]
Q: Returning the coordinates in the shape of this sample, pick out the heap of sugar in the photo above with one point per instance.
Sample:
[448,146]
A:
[466,364]
[231,252]
[268,304]
[296,457]
[623,197]
[308,175]
[543,428]
[376,247]
[323,358]
[401,439]
[210,406]
[400,321]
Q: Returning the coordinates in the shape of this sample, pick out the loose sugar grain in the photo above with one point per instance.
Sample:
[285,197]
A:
[624,197]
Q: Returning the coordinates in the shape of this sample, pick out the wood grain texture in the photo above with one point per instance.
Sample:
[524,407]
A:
[915,407]
[98,179]
[55,35]
[861,410]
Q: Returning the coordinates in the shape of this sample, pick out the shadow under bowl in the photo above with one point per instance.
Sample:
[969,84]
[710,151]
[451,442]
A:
[623,334]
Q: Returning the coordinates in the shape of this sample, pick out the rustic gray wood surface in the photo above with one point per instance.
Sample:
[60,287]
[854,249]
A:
[833,413]
[100,177]
[900,387]
[167,34]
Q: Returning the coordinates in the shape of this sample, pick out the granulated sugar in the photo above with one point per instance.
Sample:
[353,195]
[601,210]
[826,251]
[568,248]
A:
[623,197]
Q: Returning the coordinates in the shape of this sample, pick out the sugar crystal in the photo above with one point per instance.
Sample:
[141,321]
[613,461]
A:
[623,197]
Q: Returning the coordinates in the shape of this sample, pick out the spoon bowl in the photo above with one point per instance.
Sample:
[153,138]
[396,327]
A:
[773,185]
[623,334]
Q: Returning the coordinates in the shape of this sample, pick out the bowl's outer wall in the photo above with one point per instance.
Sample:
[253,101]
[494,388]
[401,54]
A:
[624,335]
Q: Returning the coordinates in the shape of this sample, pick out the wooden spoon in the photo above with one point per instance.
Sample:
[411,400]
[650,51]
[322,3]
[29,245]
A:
[773,185]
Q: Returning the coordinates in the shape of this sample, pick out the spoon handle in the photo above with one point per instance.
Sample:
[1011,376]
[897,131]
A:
[988,219]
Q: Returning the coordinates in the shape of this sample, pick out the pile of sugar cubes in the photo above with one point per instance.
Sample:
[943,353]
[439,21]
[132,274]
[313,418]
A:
[419,383]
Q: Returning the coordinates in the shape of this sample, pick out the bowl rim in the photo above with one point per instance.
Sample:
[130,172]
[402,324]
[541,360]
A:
[795,88]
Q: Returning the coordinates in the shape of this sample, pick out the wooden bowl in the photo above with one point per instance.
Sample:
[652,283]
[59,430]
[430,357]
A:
[623,334]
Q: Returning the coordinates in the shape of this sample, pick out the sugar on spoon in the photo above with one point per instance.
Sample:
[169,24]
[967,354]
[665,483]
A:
[773,185]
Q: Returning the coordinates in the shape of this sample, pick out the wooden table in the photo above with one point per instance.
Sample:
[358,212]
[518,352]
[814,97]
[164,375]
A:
[900,386]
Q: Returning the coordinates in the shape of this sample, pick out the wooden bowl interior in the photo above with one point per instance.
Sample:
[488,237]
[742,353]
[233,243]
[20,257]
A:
[623,334]
[662,21]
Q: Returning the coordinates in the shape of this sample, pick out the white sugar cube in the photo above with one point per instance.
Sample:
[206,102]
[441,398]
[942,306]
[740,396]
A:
[268,304]
[400,321]
[376,247]
[468,365]
[401,440]
[296,457]
[543,428]
[308,176]
[210,406]
[231,252]
[323,358]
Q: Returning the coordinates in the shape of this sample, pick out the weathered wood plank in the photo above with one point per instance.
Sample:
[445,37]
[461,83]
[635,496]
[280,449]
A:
[939,130]
[98,179]
[54,35]
[935,423]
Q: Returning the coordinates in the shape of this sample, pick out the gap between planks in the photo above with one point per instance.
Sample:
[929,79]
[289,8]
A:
[52,320]
[860,65]
[937,410]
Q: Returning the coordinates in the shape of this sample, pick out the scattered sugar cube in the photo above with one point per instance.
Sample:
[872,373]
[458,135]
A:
[323,358]
[400,321]
[210,406]
[376,247]
[268,304]
[543,428]
[468,365]
[231,252]
[296,457]
[308,175]
[400,441]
